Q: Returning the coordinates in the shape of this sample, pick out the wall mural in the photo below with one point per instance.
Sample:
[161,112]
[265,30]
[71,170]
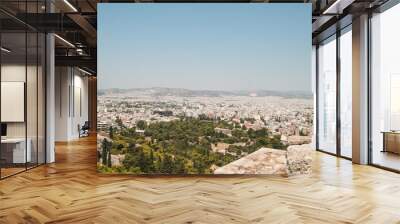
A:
[204,88]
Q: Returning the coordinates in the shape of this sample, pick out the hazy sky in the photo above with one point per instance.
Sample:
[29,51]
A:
[205,46]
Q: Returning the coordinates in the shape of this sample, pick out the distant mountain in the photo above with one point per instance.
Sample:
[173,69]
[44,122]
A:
[161,91]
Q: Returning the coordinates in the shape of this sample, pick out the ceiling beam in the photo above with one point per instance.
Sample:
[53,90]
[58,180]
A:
[78,61]
[84,24]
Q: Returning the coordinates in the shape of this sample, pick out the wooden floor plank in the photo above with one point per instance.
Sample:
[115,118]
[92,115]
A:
[71,191]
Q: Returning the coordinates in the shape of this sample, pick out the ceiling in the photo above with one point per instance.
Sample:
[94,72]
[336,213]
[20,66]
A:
[75,22]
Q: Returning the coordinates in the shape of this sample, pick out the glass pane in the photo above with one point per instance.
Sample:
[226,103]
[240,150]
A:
[327,96]
[22,89]
[41,98]
[346,94]
[31,98]
[13,86]
[313,81]
[31,86]
[386,89]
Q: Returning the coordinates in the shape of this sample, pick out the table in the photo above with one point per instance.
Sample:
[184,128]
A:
[391,141]
[13,150]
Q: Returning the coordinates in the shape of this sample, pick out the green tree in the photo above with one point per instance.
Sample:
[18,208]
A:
[143,161]
[106,148]
[141,125]
[109,159]
[111,132]
[167,165]
[180,146]
[152,168]
[261,133]
[179,166]
[130,161]
[131,148]
[158,164]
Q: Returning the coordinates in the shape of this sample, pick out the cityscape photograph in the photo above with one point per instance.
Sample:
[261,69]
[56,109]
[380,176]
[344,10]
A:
[208,94]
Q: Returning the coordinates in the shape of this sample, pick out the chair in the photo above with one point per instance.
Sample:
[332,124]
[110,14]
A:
[84,130]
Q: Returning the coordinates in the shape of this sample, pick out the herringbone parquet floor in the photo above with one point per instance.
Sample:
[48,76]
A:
[70,191]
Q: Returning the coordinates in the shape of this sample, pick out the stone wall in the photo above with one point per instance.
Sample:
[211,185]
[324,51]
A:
[297,159]
[262,161]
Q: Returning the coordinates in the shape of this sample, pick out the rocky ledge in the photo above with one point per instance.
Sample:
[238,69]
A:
[297,159]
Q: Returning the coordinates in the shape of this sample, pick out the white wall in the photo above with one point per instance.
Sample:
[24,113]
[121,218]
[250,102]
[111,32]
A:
[16,73]
[70,84]
[11,73]
[80,110]
[33,127]
[61,103]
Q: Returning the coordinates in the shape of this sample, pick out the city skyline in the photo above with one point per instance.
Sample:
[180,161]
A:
[173,46]
[194,89]
[185,92]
